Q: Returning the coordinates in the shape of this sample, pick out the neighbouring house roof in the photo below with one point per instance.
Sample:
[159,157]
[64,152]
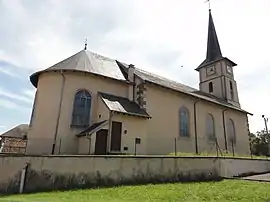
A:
[123,105]
[89,62]
[19,131]
[93,128]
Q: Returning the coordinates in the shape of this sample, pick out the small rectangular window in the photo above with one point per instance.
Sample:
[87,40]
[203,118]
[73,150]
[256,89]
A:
[210,87]
[231,90]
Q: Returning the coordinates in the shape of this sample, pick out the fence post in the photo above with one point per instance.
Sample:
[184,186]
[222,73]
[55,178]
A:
[175,149]
[59,150]
[135,147]
[216,147]
[250,149]
[89,146]
[233,148]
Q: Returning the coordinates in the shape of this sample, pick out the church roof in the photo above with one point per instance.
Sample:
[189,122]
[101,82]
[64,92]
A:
[123,105]
[89,62]
[85,61]
[213,53]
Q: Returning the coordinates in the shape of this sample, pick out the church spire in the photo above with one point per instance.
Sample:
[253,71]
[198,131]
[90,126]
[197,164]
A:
[213,48]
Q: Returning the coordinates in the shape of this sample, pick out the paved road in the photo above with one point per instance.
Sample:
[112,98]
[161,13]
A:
[263,177]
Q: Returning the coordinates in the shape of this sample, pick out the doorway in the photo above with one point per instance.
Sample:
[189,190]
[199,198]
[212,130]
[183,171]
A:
[101,142]
[116,136]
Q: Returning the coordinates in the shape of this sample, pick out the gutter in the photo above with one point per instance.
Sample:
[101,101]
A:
[224,129]
[59,111]
[195,126]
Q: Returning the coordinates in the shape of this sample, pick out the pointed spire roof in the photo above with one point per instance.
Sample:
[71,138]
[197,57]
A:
[213,49]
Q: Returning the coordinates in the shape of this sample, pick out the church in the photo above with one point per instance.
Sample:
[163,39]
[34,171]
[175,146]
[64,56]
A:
[91,104]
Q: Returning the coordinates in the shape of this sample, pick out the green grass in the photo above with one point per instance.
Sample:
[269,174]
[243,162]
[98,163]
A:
[224,154]
[227,190]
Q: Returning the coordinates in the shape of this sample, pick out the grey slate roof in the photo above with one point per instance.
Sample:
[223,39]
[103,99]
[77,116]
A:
[89,130]
[213,49]
[123,105]
[86,61]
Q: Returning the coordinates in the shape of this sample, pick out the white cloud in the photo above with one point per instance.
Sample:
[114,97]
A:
[9,73]
[29,93]
[155,35]
[14,96]
[8,104]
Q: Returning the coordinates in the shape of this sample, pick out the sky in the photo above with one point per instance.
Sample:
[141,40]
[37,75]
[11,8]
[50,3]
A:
[166,37]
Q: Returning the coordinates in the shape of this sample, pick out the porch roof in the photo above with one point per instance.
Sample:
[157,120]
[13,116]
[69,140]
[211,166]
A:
[93,128]
[123,105]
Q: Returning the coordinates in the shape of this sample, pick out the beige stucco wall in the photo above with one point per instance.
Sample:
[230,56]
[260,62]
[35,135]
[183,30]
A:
[41,134]
[135,127]
[163,128]
[221,82]
[159,135]
[163,105]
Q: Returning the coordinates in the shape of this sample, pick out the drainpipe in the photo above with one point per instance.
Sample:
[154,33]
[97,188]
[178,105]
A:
[59,110]
[110,132]
[195,127]
[224,129]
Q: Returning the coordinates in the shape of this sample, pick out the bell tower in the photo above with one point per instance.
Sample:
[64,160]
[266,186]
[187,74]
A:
[216,71]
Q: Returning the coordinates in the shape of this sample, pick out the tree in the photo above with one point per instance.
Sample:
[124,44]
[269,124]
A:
[259,143]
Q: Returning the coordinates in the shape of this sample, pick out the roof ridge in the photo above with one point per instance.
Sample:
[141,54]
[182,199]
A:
[162,77]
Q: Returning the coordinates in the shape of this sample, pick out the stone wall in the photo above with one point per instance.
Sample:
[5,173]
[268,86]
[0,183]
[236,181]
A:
[13,145]
[46,173]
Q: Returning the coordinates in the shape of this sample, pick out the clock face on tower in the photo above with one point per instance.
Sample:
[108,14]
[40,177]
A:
[210,70]
[229,69]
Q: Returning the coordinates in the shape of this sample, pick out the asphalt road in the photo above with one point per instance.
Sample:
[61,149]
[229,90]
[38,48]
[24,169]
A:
[263,177]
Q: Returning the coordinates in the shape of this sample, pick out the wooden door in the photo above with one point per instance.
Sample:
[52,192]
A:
[116,136]
[101,142]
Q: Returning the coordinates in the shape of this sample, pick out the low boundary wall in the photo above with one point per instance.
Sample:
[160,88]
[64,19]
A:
[46,173]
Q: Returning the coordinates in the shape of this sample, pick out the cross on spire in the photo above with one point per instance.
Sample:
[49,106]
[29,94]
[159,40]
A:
[209,4]
[85,44]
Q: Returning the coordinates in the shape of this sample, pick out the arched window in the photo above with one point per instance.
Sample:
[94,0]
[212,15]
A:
[210,127]
[231,131]
[184,122]
[210,87]
[81,109]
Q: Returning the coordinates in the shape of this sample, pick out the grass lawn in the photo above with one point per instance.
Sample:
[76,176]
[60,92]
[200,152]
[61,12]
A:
[227,190]
[213,154]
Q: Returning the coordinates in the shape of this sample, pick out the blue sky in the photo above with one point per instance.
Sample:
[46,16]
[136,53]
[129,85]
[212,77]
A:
[165,37]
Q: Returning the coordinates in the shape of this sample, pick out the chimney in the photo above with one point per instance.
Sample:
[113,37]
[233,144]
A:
[131,70]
